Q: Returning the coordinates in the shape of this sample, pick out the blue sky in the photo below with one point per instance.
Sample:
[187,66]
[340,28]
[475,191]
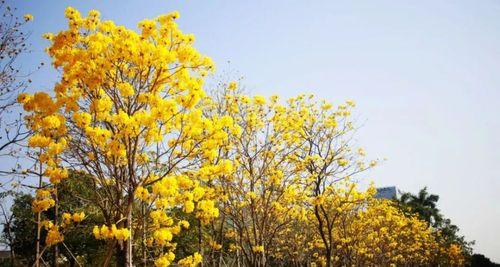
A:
[425,76]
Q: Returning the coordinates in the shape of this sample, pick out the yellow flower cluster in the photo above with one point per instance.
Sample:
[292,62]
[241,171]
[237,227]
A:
[43,201]
[190,261]
[165,260]
[207,211]
[382,235]
[68,218]
[56,175]
[142,193]
[48,140]
[164,235]
[28,17]
[105,232]
[214,245]
[452,254]
[258,249]
[53,236]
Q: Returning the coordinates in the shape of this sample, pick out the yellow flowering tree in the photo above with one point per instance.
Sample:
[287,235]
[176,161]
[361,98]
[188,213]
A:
[327,158]
[266,182]
[374,232]
[450,254]
[337,207]
[296,245]
[382,235]
[126,111]
[260,200]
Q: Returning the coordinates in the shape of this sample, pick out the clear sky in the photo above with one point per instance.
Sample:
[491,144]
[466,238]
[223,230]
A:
[425,76]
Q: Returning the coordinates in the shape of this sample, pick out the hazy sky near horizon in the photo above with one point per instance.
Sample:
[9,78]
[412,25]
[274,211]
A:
[425,76]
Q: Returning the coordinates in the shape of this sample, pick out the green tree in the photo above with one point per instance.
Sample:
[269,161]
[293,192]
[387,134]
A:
[79,246]
[479,260]
[79,243]
[449,233]
[19,231]
[423,204]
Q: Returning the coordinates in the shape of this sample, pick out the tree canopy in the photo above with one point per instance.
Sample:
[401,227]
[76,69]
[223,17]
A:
[136,165]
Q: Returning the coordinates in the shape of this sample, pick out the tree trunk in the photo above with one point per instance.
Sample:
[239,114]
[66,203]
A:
[144,254]
[56,211]
[109,253]
[328,258]
[38,223]
[38,233]
[121,255]
[12,257]
[128,244]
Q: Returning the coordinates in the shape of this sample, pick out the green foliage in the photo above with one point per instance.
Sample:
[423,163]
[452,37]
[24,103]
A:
[78,241]
[424,205]
[23,228]
[479,260]
[79,244]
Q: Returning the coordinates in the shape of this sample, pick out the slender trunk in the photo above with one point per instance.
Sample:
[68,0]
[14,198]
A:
[221,238]
[128,244]
[328,258]
[38,233]
[7,228]
[12,257]
[121,255]
[56,210]
[109,253]
[56,256]
[129,261]
[144,255]
[238,257]
[38,222]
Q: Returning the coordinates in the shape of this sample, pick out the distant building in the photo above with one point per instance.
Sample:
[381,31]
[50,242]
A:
[389,192]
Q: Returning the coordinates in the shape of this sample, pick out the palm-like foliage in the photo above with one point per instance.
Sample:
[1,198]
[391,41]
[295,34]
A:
[423,204]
